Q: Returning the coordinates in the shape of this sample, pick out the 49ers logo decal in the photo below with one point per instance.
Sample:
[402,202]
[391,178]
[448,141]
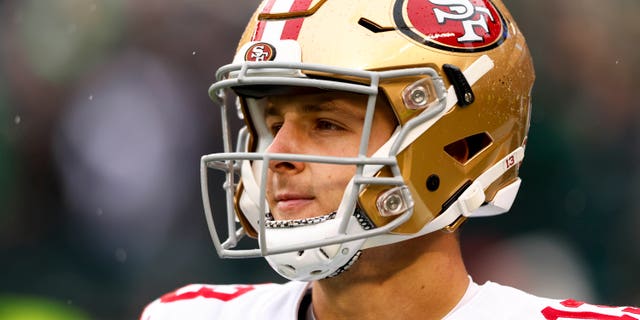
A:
[456,25]
[260,51]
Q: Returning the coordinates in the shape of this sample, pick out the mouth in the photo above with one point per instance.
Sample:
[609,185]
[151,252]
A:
[289,204]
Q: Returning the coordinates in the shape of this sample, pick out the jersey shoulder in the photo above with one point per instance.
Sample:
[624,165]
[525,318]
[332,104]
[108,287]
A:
[573,309]
[204,301]
[495,301]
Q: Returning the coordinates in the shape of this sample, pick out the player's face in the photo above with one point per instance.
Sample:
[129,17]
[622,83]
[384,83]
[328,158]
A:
[318,124]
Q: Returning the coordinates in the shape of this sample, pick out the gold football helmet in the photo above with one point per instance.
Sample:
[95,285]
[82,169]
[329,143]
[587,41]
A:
[458,76]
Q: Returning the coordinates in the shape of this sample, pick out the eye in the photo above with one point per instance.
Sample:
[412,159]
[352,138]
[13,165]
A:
[275,127]
[323,124]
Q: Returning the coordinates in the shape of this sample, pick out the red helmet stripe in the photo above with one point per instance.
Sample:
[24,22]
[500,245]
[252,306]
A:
[292,27]
[285,30]
[257,36]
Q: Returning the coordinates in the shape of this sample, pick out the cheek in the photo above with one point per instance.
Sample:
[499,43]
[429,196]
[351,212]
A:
[334,178]
[330,184]
[345,146]
[381,132]
[376,143]
[268,187]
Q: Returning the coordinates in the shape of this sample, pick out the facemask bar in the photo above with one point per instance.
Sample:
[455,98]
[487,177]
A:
[273,73]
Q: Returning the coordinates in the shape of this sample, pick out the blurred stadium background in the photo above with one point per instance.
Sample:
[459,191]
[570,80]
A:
[104,114]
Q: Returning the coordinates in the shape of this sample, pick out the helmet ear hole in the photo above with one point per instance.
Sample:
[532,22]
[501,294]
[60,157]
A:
[465,149]
[459,150]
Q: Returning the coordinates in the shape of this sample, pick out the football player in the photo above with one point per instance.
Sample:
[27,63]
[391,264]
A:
[371,130]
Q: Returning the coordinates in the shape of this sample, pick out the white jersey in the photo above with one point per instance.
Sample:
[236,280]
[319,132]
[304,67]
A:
[233,302]
[490,301]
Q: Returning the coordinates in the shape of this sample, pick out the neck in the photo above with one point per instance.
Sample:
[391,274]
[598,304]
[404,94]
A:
[422,278]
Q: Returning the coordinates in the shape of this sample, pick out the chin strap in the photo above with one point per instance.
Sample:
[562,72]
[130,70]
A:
[346,266]
[270,222]
[365,223]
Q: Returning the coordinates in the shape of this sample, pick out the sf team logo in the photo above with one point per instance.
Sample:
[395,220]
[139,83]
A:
[456,25]
[260,51]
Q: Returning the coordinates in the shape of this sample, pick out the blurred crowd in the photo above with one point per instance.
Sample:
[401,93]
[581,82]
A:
[104,115]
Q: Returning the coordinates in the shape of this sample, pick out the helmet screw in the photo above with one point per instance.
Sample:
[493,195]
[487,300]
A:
[418,96]
[393,203]
[468,97]
[433,182]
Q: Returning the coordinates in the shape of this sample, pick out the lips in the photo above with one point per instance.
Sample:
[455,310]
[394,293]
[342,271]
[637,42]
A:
[291,203]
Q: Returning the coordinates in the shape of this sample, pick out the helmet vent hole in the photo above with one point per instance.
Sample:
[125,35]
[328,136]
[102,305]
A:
[300,253]
[465,149]
[324,253]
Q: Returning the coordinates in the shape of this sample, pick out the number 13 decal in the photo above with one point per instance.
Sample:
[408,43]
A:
[511,161]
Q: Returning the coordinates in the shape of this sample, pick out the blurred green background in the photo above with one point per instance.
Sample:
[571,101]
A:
[104,115]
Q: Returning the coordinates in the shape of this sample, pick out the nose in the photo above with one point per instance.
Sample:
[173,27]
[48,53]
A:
[287,140]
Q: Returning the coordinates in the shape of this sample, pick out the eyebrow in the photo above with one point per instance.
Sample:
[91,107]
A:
[322,105]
